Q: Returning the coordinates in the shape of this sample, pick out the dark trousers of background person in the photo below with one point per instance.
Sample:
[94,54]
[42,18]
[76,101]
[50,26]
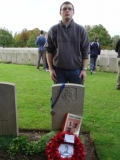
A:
[118,76]
[41,54]
[93,61]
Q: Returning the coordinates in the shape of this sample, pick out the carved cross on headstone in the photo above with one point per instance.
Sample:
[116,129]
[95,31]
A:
[1,124]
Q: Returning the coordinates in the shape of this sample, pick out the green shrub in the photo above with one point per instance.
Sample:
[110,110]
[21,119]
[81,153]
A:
[5,142]
[23,145]
[44,140]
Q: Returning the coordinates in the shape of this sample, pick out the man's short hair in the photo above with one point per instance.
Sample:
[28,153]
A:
[67,2]
[96,38]
[41,32]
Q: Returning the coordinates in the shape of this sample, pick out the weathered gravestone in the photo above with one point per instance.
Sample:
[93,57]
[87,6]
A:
[71,100]
[19,57]
[25,57]
[103,63]
[3,56]
[14,57]
[33,58]
[8,109]
[112,64]
[9,56]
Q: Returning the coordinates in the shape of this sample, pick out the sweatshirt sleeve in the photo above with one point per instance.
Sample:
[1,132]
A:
[51,41]
[85,45]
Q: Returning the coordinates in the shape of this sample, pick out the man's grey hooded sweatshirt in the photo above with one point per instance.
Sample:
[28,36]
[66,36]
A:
[68,45]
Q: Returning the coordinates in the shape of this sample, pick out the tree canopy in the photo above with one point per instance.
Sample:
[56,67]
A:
[6,38]
[31,41]
[99,31]
[26,38]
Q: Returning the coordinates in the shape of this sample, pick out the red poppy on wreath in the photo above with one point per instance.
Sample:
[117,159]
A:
[58,149]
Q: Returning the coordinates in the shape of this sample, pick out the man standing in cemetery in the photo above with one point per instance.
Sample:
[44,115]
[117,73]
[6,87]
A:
[68,48]
[40,41]
[117,49]
[94,52]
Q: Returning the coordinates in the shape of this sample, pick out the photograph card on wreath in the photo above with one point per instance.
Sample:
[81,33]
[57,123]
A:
[72,123]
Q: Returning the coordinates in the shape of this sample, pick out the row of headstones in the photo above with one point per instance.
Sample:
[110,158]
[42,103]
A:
[107,64]
[71,100]
[19,56]
[107,60]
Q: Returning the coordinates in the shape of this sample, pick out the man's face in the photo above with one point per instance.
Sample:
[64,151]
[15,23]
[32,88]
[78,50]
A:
[67,12]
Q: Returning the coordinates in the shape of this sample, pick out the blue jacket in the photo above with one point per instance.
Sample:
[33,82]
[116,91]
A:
[40,41]
[95,49]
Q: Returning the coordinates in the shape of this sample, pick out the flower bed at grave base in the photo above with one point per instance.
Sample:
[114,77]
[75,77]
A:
[35,136]
[52,148]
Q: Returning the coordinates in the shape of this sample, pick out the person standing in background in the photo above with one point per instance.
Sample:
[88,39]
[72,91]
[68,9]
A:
[117,49]
[40,41]
[94,52]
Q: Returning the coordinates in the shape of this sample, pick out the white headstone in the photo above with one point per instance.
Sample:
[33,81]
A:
[3,56]
[14,57]
[25,58]
[19,58]
[103,63]
[33,58]
[112,64]
[71,100]
[9,56]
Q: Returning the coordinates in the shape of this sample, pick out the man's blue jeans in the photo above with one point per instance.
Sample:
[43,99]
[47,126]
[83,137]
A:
[68,76]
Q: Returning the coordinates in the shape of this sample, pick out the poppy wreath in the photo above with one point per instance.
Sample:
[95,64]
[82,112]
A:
[52,151]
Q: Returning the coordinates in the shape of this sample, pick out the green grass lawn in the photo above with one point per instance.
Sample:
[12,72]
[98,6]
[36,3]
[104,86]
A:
[101,105]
